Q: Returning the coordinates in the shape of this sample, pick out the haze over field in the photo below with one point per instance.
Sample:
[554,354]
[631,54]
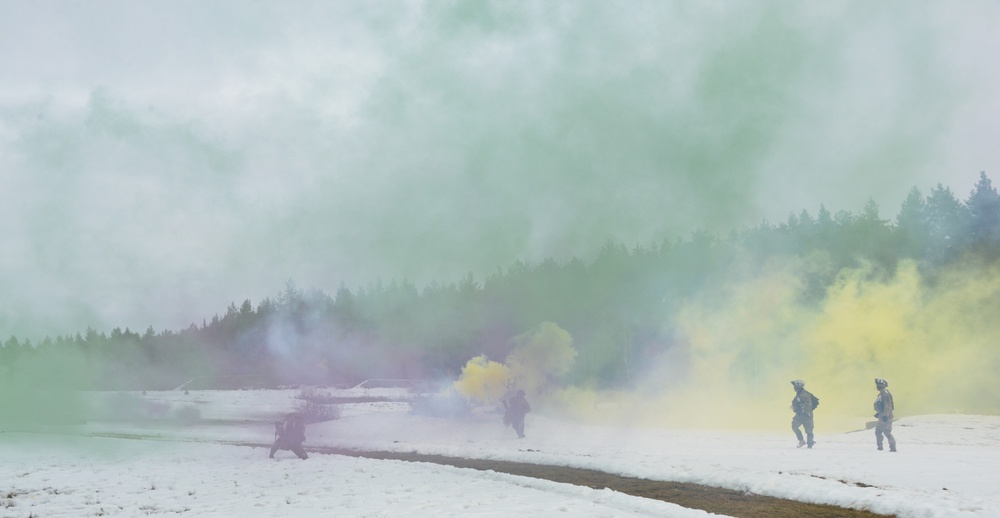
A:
[738,350]
[158,162]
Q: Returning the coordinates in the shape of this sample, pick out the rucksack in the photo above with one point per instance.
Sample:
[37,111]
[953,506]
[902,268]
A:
[815,402]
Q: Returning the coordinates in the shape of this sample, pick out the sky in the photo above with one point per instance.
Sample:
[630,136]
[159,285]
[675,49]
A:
[135,462]
[160,161]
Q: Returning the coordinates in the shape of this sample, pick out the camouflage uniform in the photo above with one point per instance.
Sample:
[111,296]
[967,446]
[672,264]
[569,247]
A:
[517,407]
[291,435]
[802,405]
[884,408]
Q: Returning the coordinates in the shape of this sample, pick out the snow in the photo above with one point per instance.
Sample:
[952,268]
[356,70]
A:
[143,462]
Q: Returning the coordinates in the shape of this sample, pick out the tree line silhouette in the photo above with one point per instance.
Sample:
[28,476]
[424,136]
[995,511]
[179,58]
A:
[617,307]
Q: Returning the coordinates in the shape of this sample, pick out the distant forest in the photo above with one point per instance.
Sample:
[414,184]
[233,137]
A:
[617,308]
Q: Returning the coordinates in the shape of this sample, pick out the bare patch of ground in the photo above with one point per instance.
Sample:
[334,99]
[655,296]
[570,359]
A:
[712,499]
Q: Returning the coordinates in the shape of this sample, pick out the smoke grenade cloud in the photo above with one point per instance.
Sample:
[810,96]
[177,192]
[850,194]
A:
[157,162]
[740,346]
[934,340]
[483,381]
[539,358]
[43,390]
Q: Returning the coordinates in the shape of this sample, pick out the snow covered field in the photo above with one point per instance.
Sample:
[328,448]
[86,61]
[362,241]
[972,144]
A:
[947,464]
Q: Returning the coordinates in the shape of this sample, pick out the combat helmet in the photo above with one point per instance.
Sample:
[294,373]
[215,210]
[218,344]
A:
[798,384]
[881,383]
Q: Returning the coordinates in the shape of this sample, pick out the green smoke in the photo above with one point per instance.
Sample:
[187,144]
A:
[230,148]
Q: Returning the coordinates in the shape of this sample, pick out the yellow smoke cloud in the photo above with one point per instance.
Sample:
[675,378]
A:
[483,380]
[740,346]
[936,343]
[539,358]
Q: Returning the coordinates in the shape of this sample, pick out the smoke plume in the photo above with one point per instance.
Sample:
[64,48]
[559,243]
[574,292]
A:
[933,338]
[539,358]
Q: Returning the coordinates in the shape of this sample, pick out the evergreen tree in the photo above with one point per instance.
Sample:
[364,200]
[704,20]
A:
[912,229]
[984,217]
[946,221]
[874,236]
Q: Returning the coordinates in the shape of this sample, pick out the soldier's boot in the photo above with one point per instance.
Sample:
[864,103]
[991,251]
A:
[801,443]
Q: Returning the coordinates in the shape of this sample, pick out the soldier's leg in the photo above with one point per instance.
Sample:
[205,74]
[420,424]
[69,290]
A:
[887,430]
[809,431]
[795,428]
[878,434]
[518,424]
[297,450]
[274,447]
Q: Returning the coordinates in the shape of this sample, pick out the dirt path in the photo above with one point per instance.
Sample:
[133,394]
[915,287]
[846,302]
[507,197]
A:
[712,499]
[717,500]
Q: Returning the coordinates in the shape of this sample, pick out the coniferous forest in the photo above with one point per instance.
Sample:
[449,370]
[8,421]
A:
[618,307]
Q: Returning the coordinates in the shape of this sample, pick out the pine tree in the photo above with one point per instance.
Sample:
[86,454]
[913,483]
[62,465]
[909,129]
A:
[984,217]
[912,232]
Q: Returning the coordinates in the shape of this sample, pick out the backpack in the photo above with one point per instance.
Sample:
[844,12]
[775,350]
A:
[815,402]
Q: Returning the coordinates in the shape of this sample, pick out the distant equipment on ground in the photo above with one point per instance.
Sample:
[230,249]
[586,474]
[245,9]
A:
[413,385]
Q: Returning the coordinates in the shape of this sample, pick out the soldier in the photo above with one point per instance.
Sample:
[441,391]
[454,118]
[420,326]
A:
[803,405]
[516,407]
[290,435]
[883,413]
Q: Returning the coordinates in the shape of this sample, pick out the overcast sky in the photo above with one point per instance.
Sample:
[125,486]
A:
[159,160]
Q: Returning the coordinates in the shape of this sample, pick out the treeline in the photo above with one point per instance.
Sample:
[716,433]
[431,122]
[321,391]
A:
[617,307]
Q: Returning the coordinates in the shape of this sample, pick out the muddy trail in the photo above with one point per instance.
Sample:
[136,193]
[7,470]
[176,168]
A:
[712,499]
[717,500]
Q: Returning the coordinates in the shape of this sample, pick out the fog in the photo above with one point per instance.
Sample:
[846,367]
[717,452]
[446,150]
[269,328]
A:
[159,161]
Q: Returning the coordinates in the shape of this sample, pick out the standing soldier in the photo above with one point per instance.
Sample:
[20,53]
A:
[290,435]
[883,413]
[803,405]
[515,408]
